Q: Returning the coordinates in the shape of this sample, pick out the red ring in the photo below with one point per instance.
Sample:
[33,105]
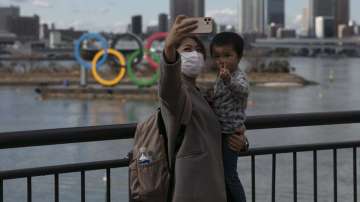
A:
[149,42]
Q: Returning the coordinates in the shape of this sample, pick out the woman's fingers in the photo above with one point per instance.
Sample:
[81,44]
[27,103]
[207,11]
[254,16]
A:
[187,29]
[186,23]
[179,30]
[179,18]
[181,25]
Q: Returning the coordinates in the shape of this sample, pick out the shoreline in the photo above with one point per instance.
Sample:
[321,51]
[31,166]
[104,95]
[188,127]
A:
[255,79]
[67,86]
[278,80]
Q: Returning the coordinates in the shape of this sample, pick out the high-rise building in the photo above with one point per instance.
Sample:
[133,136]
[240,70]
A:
[44,31]
[25,28]
[346,31]
[320,8]
[337,9]
[252,19]
[163,22]
[276,12]
[246,17]
[191,8]
[6,12]
[199,8]
[324,27]
[136,24]
[305,22]
[342,15]
[259,16]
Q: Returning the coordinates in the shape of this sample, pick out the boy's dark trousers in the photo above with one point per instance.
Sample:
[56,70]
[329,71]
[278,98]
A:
[234,189]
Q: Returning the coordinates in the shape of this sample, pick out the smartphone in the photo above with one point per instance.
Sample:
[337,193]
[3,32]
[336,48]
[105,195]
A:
[205,25]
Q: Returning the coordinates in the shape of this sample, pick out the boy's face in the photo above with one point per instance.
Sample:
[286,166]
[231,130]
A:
[226,57]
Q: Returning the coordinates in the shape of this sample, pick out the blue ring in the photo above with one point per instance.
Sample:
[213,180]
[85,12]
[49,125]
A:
[77,50]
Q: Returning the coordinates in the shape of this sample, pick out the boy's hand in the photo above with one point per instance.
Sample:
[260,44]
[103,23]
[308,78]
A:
[224,74]
[238,141]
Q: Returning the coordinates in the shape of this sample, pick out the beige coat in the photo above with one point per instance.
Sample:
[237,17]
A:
[199,174]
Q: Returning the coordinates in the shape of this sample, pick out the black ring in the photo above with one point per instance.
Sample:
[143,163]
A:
[137,40]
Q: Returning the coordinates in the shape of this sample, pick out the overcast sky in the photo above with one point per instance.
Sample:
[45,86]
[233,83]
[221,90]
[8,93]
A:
[114,15]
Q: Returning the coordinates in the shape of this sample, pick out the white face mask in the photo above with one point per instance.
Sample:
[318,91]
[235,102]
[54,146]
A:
[192,63]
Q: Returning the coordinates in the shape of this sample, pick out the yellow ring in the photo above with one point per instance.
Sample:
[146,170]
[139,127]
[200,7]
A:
[122,71]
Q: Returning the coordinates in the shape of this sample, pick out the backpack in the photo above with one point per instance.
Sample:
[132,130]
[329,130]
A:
[153,182]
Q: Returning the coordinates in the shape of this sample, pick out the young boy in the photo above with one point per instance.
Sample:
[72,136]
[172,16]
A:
[229,103]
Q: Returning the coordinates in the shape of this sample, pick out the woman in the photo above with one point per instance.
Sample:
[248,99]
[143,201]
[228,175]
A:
[199,173]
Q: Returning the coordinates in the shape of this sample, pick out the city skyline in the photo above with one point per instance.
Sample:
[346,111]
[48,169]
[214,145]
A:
[104,16]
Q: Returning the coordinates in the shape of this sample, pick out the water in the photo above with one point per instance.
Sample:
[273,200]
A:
[21,109]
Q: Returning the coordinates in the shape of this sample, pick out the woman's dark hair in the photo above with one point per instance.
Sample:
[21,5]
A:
[196,39]
[228,39]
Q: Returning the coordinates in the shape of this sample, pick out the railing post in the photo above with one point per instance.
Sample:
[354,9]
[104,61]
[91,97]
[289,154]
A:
[335,174]
[29,189]
[82,186]
[273,178]
[253,189]
[56,187]
[315,175]
[295,176]
[108,185]
[1,190]
[355,174]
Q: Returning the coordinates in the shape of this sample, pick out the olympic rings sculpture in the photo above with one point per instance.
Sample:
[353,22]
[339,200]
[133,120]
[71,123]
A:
[125,64]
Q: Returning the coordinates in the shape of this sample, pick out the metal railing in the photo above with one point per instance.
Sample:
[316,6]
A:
[126,131]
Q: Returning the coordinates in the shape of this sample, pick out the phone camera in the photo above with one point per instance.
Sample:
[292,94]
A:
[207,20]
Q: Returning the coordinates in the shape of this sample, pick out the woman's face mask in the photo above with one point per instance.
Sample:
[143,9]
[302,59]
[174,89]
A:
[192,63]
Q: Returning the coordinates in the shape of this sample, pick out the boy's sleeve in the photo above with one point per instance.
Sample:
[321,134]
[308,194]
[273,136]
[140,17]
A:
[239,85]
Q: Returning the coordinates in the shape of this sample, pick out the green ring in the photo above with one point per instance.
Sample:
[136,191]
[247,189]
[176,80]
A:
[142,82]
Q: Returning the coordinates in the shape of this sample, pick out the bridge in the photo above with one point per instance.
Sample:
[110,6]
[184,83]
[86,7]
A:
[310,45]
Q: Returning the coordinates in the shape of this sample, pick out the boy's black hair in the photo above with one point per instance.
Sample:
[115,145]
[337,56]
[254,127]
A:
[228,38]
